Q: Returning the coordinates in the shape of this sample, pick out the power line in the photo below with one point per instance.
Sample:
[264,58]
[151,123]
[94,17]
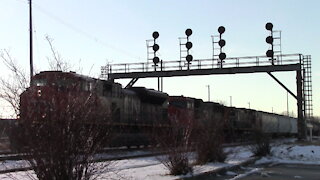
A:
[80,31]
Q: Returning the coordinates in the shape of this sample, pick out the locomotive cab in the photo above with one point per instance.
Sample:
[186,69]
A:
[52,92]
[181,110]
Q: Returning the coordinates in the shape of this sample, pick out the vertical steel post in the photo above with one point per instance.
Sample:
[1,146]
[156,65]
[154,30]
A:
[158,83]
[301,121]
[287,104]
[272,61]
[161,79]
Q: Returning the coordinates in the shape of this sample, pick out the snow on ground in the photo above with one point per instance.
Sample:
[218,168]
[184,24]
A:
[11,164]
[293,154]
[149,168]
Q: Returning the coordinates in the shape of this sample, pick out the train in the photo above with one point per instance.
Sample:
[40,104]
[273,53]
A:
[138,111]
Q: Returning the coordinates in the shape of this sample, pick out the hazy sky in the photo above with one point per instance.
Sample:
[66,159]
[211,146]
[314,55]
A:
[91,33]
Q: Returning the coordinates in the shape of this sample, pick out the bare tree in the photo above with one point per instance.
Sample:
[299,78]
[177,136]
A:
[18,81]
[62,140]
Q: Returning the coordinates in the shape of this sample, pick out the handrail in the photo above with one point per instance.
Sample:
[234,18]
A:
[200,64]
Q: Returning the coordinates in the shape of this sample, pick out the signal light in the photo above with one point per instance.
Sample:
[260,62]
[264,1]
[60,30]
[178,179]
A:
[269,26]
[188,32]
[155,47]
[189,45]
[270,53]
[221,30]
[222,56]
[155,35]
[189,58]
[221,43]
[269,40]
[156,60]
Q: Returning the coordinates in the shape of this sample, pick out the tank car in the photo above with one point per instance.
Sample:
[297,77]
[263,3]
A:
[276,124]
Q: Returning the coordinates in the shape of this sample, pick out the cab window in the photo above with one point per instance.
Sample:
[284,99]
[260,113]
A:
[179,104]
[39,82]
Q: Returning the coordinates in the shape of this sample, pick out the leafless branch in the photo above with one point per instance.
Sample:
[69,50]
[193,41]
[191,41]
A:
[14,84]
[56,63]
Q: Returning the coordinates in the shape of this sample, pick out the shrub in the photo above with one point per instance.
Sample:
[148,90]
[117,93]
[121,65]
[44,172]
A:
[209,145]
[176,142]
[261,146]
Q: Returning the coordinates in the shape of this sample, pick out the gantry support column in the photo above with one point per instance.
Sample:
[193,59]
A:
[302,134]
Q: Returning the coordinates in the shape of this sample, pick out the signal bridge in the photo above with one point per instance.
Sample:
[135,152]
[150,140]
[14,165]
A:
[250,64]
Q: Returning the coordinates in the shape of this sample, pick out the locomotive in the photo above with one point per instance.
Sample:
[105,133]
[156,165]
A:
[137,111]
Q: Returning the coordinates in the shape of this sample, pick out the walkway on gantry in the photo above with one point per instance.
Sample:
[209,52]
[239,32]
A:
[250,64]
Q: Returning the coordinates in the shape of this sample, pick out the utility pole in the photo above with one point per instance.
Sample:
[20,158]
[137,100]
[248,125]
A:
[208,92]
[30,36]
[230,101]
[249,104]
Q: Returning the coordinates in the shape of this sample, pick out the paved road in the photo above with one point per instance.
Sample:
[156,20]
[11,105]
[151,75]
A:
[277,172]
[286,172]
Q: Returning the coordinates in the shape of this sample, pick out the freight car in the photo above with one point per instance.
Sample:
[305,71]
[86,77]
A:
[240,123]
[135,112]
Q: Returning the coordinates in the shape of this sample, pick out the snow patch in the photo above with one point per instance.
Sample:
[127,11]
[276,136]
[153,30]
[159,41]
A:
[293,154]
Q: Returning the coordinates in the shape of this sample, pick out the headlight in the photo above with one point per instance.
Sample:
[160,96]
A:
[39,92]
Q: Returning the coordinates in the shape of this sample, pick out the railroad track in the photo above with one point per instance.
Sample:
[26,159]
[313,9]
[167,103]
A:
[104,155]
[117,153]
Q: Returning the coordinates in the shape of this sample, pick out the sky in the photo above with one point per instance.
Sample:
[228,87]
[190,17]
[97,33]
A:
[90,34]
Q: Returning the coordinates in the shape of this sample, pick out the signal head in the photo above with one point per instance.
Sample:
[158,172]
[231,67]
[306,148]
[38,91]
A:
[155,47]
[269,39]
[222,56]
[221,29]
[188,32]
[189,58]
[156,60]
[222,42]
[269,26]
[155,34]
[189,45]
[270,53]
